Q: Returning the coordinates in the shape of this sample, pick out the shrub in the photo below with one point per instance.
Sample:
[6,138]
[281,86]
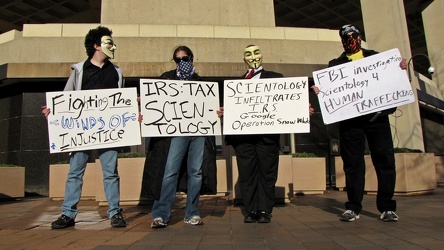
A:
[303,155]
[130,155]
[9,166]
[407,150]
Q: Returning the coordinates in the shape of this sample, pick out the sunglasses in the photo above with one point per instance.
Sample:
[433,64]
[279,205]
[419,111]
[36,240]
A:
[354,35]
[185,59]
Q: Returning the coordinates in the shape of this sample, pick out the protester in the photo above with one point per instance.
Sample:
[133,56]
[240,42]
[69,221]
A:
[97,72]
[257,155]
[353,133]
[167,155]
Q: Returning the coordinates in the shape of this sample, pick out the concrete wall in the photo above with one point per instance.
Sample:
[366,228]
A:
[380,36]
[258,13]
[433,20]
[218,49]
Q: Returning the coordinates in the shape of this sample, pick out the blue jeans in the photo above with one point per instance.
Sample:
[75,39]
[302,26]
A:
[179,147]
[74,183]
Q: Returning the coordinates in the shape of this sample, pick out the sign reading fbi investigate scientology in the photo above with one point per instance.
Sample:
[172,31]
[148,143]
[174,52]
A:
[92,119]
[179,108]
[266,106]
[364,86]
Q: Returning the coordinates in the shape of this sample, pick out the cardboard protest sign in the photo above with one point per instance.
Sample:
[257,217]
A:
[92,119]
[266,106]
[364,86]
[179,108]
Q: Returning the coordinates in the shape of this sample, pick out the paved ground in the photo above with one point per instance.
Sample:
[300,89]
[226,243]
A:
[308,222]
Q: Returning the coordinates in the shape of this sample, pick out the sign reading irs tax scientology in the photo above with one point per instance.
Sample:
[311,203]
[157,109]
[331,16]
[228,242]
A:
[179,108]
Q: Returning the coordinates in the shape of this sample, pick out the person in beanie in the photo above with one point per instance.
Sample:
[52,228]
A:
[374,127]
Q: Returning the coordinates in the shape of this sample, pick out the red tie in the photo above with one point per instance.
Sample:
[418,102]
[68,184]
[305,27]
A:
[250,75]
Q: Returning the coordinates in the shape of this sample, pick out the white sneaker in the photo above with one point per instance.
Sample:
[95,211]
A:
[158,223]
[389,216]
[194,220]
[349,215]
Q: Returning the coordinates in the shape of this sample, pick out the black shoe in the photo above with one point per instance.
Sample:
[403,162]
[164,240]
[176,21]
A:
[251,217]
[63,222]
[118,221]
[264,217]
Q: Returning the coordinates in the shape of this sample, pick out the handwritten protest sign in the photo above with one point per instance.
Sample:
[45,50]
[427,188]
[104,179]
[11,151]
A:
[266,106]
[179,108]
[363,86]
[92,119]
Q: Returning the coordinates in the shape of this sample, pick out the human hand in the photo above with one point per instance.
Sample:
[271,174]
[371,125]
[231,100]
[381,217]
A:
[403,64]
[220,112]
[46,111]
[140,118]
[310,109]
[315,89]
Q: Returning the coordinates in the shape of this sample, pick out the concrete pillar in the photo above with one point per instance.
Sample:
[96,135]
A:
[386,28]
[433,19]
[258,13]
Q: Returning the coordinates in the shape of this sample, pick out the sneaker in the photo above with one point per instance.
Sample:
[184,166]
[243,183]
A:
[118,221]
[389,216]
[349,215]
[194,220]
[63,222]
[158,223]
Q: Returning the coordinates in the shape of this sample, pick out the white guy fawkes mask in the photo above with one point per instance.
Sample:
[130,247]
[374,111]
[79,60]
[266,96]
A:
[108,46]
[253,57]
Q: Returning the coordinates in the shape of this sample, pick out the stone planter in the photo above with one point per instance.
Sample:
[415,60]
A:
[439,165]
[222,176]
[12,182]
[131,173]
[415,174]
[58,173]
[309,175]
[284,184]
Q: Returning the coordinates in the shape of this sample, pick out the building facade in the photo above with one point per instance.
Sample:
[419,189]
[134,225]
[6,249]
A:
[38,58]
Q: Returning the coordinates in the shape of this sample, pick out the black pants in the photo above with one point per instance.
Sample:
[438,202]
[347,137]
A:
[379,138]
[257,163]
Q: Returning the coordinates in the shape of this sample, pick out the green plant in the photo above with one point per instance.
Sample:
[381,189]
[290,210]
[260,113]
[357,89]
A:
[9,166]
[303,155]
[407,150]
[130,155]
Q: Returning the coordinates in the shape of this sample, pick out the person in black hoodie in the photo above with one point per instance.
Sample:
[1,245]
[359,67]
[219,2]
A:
[168,157]
[353,133]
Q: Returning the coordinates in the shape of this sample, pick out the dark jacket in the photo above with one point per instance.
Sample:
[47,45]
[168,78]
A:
[344,59]
[155,161]
[266,138]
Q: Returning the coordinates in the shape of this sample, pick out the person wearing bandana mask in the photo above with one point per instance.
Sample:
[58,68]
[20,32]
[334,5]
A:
[169,157]
[97,72]
[353,133]
[257,156]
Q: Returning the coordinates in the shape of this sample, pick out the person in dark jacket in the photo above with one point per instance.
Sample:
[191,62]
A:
[353,133]
[173,151]
[257,155]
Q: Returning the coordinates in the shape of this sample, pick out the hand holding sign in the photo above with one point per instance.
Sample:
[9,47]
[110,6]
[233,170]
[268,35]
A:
[92,119]
[361,87]
[266,106]
[179,108]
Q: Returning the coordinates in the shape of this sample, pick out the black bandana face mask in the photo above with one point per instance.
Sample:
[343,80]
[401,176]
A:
[351,43]
[185,69]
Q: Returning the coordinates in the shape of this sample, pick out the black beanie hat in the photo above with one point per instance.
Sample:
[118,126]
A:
[347,29]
